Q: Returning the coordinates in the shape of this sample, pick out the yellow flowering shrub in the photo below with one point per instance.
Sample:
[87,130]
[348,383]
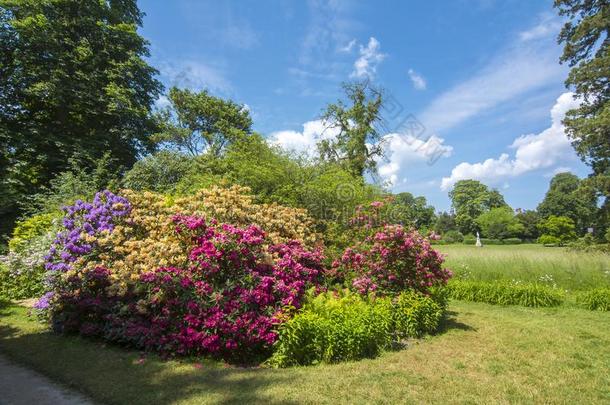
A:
[147,240]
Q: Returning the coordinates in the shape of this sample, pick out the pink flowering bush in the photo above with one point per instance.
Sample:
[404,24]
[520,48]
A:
[228,301]
[390,259]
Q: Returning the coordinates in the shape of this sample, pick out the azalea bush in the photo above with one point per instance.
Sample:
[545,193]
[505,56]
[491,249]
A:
[389,259]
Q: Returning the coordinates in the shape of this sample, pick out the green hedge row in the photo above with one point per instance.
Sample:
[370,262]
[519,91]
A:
[503,293]
[331,329]
[485,241]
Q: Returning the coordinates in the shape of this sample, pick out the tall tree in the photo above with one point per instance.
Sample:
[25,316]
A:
[471,198]
[586,40]
[417,211]
[566,198]
[357,144]
[198,122]
[73,84]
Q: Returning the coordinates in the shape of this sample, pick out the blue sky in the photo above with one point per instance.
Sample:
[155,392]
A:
[475,86]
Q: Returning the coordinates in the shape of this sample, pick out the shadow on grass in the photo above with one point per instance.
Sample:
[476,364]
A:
[450,322]
[112,375]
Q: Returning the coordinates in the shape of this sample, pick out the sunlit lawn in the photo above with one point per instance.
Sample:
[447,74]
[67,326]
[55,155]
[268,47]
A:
[484,354]
[529,263]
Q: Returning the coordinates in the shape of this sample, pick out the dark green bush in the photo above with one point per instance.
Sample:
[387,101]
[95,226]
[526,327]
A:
[331,328]
[453,237]
[502,293]
[470,240]
[595,300]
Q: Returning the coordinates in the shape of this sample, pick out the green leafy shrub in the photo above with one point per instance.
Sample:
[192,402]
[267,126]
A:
[549,240]
[501,293]
[30,228]
[22,269]
[470,239]
[453,237]
[512,241]
[332,328]
[595,300]
[160,172]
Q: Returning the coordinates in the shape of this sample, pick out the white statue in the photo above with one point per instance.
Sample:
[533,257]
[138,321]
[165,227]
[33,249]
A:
[478,244]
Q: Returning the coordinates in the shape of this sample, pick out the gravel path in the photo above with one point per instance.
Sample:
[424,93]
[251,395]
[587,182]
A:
[20,386]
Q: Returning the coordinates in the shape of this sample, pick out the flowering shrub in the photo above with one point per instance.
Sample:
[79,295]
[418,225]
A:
[228,299]
[390,261]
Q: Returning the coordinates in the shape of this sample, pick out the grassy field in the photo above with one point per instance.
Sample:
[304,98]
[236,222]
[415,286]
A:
[529,263]
[483,354]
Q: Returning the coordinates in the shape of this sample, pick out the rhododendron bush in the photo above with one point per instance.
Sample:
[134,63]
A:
[213,273]
[389,259]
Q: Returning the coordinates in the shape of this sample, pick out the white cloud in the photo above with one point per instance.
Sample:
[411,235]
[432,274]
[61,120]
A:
[549,25]
[532,152]
[370,56]
[304,141]
[162,102]
[404,150]
[419,83]
[348,47]
[520,68]
[194,75]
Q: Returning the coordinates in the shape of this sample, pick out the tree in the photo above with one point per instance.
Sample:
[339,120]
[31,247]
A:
[160,172]
[471,198]
[586,40]
[357,144]
[74,84]
[565,197]
[530,220]
[198,122]
[416,210]
[499,223]
[558,227]
[445,222]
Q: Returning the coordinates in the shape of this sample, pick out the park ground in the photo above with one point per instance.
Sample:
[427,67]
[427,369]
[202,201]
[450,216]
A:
[481,354]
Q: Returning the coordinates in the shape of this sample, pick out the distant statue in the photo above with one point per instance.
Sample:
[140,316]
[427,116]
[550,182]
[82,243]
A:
[478,244]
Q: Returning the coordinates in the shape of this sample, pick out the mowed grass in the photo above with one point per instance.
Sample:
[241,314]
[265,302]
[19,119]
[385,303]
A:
[573,271]
[483,354]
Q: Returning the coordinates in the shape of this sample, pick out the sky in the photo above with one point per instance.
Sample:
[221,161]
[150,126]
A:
[474,89]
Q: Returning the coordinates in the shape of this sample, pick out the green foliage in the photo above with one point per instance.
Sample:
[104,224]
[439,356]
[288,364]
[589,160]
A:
[595,300]
[453,237]
[586,41]
[529,219]
[74,82]
[512,241]
[357,145]
[561,229]
[197,122]
[415,210]
[470,199]
[30,228]
[347,327]
[159,172]
[503,293]
[499,223]
[444,223]
[73,184]
[567,198]
[549,240]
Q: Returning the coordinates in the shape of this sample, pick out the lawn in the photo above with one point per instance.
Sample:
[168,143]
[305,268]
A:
[483,354]
[529,263]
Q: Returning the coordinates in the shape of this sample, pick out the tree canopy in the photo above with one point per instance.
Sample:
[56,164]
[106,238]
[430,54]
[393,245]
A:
[471,198]
[357,144]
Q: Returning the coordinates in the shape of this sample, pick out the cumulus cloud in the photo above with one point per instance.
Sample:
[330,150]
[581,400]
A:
[419,83]
[304,141]
[532,152]
[529,63]
[548,25]
[370,57]
[404,150]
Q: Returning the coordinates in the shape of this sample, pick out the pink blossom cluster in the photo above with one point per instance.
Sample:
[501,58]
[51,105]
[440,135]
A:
[392,260]
[228,301]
